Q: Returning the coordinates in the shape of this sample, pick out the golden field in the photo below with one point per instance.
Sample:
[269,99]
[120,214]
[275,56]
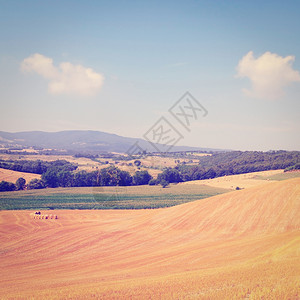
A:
[12,176]
[241,180]
[239,245]
[83,163]
[152,164]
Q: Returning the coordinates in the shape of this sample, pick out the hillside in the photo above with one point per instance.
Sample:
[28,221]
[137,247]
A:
[79,141]
[241,181]
[243,244]
[12,176]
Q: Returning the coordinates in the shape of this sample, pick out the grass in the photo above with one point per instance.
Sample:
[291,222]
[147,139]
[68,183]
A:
[143,197]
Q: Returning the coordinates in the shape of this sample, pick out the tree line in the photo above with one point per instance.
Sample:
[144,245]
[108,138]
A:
[35,166]
[61,173]
[293,168]
[231,163]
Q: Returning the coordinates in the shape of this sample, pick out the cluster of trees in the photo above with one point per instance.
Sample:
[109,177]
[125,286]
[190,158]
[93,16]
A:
[60,176]
[9,186]
[34,166]
[16,152]
[61,173]
[111,176]
[86,155]
[251,161]
[292,168]
[231,163]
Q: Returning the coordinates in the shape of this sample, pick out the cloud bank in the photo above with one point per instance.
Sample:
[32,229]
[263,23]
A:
[269,74]
[66,78]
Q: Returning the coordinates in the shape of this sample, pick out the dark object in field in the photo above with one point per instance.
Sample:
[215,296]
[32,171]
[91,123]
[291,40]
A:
[38,215]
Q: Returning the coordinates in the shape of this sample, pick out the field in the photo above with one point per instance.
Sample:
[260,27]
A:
[239,245]
[131,197]
[82,162]
[279,176]
[152,164]
[135,197]
[245,180]
[12,176]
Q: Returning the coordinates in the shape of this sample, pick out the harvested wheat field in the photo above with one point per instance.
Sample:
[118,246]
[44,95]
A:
[12,176]
[239,245]
[241,180]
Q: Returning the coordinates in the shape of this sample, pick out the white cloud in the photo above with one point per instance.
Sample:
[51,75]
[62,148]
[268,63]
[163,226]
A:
[269,74]
[66,78]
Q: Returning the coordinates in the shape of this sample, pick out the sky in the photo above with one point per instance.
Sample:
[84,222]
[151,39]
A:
[120,66]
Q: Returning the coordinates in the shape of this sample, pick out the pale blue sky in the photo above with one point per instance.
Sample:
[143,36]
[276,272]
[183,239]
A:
[150,53]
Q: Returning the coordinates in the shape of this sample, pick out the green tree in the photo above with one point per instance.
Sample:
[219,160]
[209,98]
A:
[36,184]
[164,183]
[93,178]
[80,179]
[141,177]
[65,178]
[137,162]
[125,178]
[112,176]
[170,175]
[50,178]
[7,186]
[20,183]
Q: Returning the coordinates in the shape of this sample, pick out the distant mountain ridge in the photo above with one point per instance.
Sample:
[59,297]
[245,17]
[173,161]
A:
[81,141]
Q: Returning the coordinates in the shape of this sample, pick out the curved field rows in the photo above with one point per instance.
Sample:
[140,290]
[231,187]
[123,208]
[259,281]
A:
[243,244]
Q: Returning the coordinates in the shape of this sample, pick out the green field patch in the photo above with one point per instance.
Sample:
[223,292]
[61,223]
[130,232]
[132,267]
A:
[115,199]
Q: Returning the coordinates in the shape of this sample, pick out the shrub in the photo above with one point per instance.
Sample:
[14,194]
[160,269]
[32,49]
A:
[169,175]
[20,183]
[35,184]
[7,186]
[137,162]
[164,183]
[141,177]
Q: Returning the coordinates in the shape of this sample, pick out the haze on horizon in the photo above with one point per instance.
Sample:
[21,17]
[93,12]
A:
[119,66]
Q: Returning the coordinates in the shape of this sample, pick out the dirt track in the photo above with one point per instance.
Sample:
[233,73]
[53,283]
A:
[244,243]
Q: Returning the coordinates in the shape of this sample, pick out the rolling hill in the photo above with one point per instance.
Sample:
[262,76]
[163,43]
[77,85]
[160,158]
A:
[12,176]
[243,245]
[79,141]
